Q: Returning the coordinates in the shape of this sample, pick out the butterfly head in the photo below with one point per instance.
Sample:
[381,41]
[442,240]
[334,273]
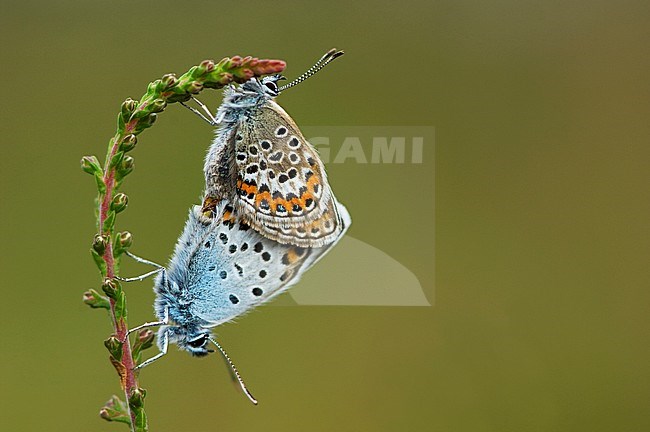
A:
[256,92]
[195,341]
[269,85]
[266,87]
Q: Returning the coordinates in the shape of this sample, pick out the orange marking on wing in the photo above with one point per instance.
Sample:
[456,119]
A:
[292,255]
[262,195]
[312,181]
[273,203]
[228,215]
[209,206]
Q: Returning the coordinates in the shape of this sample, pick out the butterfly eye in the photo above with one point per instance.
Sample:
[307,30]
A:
[199,342]
[271,86]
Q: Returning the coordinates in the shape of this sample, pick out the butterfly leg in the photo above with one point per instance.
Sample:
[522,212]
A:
[139,278]
[207,117]
[143,261]
[162,322]
[206,110]
[164,342]
[163,351]
[158,269]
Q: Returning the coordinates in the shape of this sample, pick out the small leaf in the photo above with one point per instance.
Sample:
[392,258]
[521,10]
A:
[116,159]
[140,420]
[120,305]
[142,111]
[90,164]
[114,346]
[95,300]
[179,94]
[99,261]
[154,87]
[109,222]
[115,410]
[121,124]
[101,186]
[146,122]
[120,369]
[193,72]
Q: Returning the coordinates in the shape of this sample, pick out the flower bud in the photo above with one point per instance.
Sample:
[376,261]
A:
[147,121]
[169,80]
[119,203]
[99,244]
[95,300]
[90,164]
[103,413]
[145,339]
[195,87]
[115,410]
[128,143]
[125,239]
[126,166]
[136,398]
[206,66]
[158,105]
[128,106]
[110,288]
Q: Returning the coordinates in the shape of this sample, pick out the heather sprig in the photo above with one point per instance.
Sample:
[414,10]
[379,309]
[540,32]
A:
[108,245]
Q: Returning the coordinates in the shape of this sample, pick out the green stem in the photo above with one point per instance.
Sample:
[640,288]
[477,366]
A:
[134,118]
[129,381]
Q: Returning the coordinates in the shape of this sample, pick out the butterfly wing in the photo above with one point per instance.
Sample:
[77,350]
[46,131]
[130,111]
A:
[281,186]
[229,268]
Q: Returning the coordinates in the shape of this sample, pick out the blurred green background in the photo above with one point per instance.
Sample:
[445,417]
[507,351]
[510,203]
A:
[540,316]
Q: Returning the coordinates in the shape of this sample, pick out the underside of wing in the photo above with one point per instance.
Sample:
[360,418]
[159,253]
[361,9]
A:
[281,186]
[233,268]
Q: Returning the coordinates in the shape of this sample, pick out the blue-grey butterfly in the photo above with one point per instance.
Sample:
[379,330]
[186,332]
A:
[268,215]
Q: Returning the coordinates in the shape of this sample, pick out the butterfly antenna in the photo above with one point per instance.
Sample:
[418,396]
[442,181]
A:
[235,371]
[320,64]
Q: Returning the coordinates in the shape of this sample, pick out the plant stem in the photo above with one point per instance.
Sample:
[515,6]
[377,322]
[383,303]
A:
[108,246]
[128,380]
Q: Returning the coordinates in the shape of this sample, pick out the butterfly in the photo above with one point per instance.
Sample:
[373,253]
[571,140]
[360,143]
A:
[261,162]
[267,216]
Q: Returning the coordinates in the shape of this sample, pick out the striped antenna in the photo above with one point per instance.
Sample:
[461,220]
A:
[235,372]
[320,64]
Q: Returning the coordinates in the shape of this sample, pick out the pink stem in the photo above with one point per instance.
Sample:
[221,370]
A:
[129,380]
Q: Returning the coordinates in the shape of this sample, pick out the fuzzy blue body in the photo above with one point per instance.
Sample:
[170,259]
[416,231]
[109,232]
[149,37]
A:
[221,270]
[268,215]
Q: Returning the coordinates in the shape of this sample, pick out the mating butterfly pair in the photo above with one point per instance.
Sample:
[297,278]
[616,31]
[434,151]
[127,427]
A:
[268,215]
